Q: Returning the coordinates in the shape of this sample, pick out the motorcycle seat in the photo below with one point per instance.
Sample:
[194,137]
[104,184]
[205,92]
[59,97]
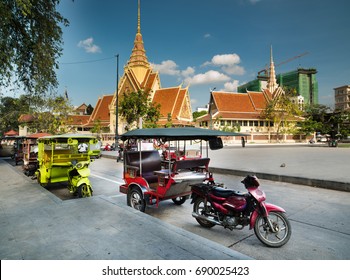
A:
[221,192]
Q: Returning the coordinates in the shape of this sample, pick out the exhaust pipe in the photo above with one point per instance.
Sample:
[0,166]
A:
[201,217]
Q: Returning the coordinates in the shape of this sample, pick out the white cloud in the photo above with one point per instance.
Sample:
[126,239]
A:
[207,78]
[207,35]
[194,101]
[89,46]
[233,70]
[228,63]
[167,67]
[226,59]
[231,86]
[253,1]
[188,72]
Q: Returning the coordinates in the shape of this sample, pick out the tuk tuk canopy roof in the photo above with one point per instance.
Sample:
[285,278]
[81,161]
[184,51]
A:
[177,133]
[67,136]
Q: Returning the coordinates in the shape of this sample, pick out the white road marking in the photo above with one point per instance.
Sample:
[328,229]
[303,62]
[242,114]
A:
[103,178]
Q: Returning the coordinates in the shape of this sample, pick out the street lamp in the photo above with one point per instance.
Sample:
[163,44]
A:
[116,104]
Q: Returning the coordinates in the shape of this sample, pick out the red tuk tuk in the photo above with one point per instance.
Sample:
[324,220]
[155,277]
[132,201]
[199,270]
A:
[18,149]
[30,153]
[150,179]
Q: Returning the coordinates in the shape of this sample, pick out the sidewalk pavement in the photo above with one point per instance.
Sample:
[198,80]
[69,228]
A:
[36,225]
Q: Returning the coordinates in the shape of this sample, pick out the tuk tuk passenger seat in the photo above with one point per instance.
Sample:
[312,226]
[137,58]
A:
[191,164]
[150,162]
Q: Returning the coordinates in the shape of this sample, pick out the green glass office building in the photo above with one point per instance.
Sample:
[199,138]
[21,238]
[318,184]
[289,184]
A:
[303,80]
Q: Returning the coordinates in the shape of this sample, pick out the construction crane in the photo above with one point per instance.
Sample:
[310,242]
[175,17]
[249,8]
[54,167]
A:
[265,71]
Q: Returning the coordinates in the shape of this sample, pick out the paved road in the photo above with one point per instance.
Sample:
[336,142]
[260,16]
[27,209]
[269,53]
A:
[37,225]
[315,165]
[319,216]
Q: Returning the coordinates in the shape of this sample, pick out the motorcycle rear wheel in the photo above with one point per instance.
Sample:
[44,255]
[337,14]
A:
[198,208]
[281,227]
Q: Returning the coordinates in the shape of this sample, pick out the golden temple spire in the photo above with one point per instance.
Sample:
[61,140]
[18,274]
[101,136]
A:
[271,83]
[138,18]
[138,56]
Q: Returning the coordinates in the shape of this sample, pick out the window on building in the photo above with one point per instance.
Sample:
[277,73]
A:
[245,123]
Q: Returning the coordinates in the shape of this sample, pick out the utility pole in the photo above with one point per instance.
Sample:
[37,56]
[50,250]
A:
[116,105]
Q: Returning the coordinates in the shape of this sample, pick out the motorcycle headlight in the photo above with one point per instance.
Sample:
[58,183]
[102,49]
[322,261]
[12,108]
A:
[79,165]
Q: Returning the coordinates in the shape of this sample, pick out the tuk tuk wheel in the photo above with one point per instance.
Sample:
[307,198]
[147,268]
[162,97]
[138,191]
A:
[38,178]
[179,200]
[84,191]
[136,200]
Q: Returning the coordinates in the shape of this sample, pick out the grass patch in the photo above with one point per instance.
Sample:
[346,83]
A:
[344,145]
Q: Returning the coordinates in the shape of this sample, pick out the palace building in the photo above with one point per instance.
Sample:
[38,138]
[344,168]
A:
[245,111]
[175,105]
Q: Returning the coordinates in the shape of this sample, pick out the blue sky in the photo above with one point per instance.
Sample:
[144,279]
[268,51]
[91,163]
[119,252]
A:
[205,44]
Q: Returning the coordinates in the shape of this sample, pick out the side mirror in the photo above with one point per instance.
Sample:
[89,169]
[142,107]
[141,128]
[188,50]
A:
[215,144]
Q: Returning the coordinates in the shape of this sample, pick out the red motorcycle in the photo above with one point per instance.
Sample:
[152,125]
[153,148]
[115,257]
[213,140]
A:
[215,205]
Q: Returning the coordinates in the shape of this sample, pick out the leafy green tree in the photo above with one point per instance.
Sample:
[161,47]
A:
[340,123]
[169,122]
[136,105]
[10,111]
[97,128]
[30,44]
[53,116]
[316,119]
[282,111]
[198,114]
[89,109]
[234,128]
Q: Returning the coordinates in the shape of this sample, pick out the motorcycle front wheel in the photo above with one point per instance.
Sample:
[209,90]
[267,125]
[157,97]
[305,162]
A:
[84,191]
[278,235]
[199,207]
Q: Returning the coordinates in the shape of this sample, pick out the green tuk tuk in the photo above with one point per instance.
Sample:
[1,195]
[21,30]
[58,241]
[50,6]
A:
[66,158]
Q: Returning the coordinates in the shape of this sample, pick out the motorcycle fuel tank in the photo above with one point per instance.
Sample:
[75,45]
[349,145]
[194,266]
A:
[237,203]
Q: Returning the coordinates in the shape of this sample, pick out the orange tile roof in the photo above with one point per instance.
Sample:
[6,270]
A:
[26,118]
[101,110]
[239,102]
[145,80]
[166,97]
[179,102]
[150,81]
[78,119]
[233,102]
[258,100]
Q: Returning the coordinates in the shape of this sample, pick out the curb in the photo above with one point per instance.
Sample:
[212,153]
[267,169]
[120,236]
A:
[317,183]
[333,185]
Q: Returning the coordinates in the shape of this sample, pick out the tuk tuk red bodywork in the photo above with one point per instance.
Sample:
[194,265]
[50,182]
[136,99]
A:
[150,179]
